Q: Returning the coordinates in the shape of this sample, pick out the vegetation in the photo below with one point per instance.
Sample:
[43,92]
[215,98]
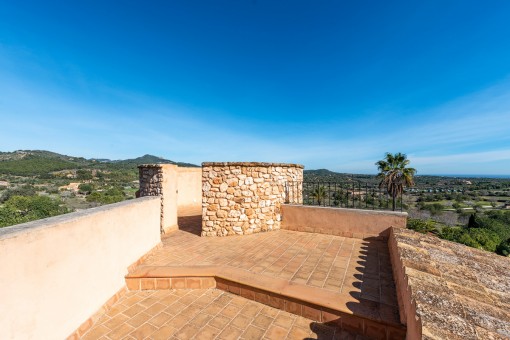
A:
[319,194]
[472,211]
[21,209]
[42,184]
[111,195]
[489,231]
[395,174]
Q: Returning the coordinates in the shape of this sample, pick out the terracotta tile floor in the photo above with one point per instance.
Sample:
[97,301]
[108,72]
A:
[203,314]
[357,268]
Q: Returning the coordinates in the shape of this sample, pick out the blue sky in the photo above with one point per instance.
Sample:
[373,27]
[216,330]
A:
[328,84]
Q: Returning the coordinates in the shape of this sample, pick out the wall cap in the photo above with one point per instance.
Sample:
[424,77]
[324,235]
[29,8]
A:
[253,164]
[27,227]
[358,211]
[159,165]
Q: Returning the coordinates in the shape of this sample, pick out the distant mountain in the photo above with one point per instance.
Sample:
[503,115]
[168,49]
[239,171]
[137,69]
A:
[41,163]
[321,172]
[150,159]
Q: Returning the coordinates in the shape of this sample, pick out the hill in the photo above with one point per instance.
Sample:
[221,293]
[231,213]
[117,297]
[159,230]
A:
[43,163]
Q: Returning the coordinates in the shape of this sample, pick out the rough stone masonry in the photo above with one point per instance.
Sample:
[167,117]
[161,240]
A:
[241,198]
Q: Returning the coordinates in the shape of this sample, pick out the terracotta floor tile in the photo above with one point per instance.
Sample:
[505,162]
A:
[121,331]
[253,333]
[116,309]
[164,332]
[262,321]
[188,331]
[240,321]
[251,310]
[213,309]
[144,331]
[283,320]
[219,321]
[270,311]
[331,263]
[115,322]
[95,333]
[207,333]
[230,311]
[230,333]
[179,320]
[298,333]
[139,319]
[155,308]
[276,332]
[201,319]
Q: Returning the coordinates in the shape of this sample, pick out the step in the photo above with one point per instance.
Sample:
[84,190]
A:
[357,315]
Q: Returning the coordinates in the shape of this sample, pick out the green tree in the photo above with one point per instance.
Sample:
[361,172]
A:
[421,226]
[395,174]
[319,193]
[85,188]
[504,248]
[108,196]
[25,190]
[21,209]
[83,174]
[434,208]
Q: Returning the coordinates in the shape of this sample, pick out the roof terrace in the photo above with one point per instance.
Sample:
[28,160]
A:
[324,273]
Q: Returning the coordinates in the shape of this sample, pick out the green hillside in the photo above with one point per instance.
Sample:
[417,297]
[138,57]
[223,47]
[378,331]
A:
[43,163]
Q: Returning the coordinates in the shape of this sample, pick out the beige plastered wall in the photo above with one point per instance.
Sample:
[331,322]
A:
[356,223]
[55,273]
[169,197]
[189,191]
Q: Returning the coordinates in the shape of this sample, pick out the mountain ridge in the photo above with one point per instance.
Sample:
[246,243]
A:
[43,162]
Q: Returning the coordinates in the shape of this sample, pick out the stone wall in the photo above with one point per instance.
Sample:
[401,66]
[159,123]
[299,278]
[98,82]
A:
[241,198]
[161,180]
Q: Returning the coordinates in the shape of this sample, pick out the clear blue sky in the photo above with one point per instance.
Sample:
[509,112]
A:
[329,84]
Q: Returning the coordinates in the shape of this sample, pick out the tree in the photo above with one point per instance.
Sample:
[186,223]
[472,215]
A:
[395,175]
[20,209]
[319,193]
[504,248]
[85,188]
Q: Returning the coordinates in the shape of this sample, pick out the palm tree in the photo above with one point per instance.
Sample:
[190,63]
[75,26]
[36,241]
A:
[395,175]
[319,193]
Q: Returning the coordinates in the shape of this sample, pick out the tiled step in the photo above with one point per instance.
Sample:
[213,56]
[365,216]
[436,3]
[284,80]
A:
[372,319]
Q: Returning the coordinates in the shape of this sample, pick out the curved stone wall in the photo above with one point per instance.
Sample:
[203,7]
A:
[241,198]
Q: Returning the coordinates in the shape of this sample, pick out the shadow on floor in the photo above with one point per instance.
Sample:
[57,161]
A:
[191,224]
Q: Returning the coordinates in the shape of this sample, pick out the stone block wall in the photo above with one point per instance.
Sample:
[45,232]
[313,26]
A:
[161,180]
[241,198]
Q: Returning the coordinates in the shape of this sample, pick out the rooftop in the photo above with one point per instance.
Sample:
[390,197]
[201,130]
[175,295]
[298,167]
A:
[203,314]
[316,273]
[458,291]
[346,276]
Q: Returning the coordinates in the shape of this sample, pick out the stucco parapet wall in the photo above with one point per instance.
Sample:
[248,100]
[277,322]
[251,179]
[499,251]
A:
[353,223]
[62,269]
[253,164]
[50,222]
[447,290]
